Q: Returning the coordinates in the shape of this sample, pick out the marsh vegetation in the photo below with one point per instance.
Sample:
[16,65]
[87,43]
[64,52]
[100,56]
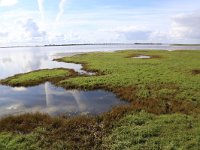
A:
[164,96]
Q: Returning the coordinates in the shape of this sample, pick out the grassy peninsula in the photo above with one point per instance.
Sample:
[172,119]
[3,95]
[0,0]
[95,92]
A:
[164,96]
[38,77]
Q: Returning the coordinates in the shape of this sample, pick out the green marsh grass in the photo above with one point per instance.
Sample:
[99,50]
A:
[164,96]
[38,77]
[166,79]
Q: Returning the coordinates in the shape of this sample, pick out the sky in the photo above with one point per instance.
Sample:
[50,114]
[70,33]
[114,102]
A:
[39,22]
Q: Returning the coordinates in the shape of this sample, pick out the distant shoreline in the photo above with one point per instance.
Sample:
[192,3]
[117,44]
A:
[185,44]
[81,44]
[84,44]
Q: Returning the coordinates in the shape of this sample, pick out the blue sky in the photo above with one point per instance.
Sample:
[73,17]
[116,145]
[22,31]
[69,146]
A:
[35,22]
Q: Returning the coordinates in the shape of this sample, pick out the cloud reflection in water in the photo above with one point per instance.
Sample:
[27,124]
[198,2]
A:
[47,98]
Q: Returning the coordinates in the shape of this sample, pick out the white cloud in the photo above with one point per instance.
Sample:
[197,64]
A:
[8,2]
[136,35]
[186,26]
[23,32]
[3,34]
[61,9]
[41,8]
[130,33]
[32,29]
[56,38]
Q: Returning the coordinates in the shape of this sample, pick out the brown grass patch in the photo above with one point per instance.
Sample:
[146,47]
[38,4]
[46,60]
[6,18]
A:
[109,118]
[24,123]
[125,93]
[196,71]
[162,105]
[80,132]
[166,107]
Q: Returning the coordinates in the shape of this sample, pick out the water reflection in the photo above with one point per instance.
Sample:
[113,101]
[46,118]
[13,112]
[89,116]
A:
[20,62]
[142,57]
[55,100]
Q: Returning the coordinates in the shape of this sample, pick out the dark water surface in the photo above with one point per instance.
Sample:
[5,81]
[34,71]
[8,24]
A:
[48,98]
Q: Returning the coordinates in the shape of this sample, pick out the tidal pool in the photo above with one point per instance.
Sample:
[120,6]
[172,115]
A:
[47,98]
[142,57]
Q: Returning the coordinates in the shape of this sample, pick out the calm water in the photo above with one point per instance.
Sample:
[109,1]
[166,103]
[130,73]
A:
[48,98]
[55,100]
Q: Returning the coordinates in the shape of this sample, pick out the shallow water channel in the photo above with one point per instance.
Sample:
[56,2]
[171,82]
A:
[47,98]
